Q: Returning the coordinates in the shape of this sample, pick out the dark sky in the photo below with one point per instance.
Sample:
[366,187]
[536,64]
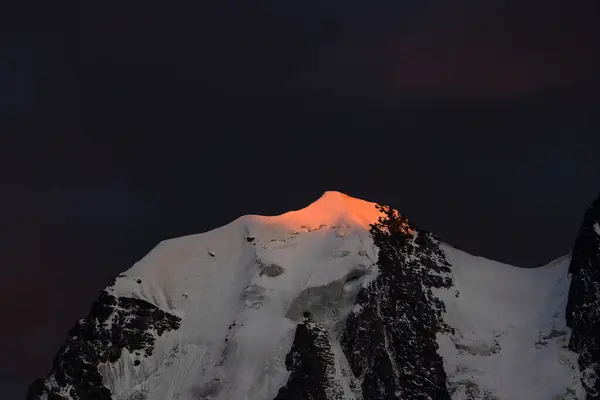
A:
[124,124]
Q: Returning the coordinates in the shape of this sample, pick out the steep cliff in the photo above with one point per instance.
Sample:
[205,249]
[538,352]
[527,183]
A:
[583,307]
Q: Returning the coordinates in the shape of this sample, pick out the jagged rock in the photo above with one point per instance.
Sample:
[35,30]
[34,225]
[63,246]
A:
[390,342]
[114,324]
[311,365]
[583,307]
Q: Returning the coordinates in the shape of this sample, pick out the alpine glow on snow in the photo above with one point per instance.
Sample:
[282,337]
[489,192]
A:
[226,305]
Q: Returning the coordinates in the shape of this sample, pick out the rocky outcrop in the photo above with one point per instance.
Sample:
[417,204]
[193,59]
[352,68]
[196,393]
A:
[390,338]
[311,364]
[583,307]
[114,324]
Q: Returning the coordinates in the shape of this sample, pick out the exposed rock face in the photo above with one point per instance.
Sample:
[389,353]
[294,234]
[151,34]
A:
[114,324]
[311,363]
[390,338]
[583,307]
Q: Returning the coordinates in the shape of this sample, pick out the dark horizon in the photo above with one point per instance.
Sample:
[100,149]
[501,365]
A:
[126,125]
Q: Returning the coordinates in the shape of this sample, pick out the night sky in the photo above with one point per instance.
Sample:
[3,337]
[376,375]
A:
[125,124]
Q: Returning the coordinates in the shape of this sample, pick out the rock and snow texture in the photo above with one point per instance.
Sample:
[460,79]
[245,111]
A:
[312,365]
[239,292]
[583,308]
[328,303]
[390,338]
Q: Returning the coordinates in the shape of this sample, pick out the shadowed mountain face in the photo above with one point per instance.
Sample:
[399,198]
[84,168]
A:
[583,308]
[312,365]
[113,326]
[343,299]
[389,338]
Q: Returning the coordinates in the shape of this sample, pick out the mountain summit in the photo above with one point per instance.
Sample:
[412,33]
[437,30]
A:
[343,299]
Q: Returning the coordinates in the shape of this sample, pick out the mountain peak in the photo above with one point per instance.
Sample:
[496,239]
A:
[333,194]
[332,208]
[292,306]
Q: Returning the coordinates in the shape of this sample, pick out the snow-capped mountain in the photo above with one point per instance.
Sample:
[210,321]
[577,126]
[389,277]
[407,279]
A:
[343,299]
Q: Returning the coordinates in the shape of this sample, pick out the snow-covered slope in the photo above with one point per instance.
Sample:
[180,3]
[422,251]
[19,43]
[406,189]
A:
[510,332]
[320,304]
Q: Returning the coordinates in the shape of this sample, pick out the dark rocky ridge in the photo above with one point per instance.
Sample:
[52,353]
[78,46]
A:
[389,340]
[311,363]
[114,324]
[583,307]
